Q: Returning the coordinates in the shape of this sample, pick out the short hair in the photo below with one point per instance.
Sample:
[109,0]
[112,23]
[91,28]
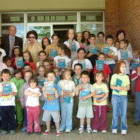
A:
[101,53]
[30,56]
[92,35]
[56,68]
[5,71]
[32,32]
[108,37]
[116,41]
[119,32]
[125,42]
[64,72]
[78,64]
[6,58]
[33,79]
[43,68]
[118,65]
[18,71]
[46,60]
[26,64]
[55,34]
[85,73]
[42,52]
[98,73]
[50,72]
[67,34]
[29,71]
[100,33]
[81,49]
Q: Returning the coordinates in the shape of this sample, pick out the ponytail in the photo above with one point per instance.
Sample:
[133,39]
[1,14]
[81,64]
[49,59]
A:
[67,51]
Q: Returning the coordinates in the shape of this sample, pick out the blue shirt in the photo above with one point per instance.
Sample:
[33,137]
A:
[10,49]
[52,105]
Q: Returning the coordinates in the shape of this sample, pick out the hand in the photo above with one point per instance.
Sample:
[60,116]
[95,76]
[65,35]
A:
[29,93]
[110,55]
[22,106]
[53,89]
[27,39]
[12,93]
[120,88]
[98,101]
[84,98]
[18,99]
[45,95]
[80,87]
[1,94]
[43,89]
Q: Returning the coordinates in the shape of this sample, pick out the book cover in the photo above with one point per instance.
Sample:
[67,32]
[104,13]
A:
[100,64]
[84,92]
[82,62]
[49,86]
[135,65]
[66,96]
[19,61]
[100,92]
[93,50]
[62,63]
[118,83]
[73,46]
[53,53]
[124,54]
[57,79]
[106,50]
[7,88]
[41,80]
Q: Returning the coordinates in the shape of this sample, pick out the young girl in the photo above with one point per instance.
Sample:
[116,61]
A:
[16,52]
[63,59]
[33,108]
[71,43]
[81,59]
[28,59]
[45,42]
[79,39]
[68,91]
[85,37]
[120,85]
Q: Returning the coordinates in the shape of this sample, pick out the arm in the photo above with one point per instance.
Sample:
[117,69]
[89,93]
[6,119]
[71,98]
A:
[89,54]
[127,88]
[55,92]
[104,98]
[115,57]
[69,65]
[22,98]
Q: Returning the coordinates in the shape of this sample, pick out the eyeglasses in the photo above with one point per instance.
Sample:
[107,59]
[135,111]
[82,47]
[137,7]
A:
[31,37]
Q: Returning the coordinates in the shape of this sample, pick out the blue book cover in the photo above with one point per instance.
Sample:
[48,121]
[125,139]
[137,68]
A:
[118,83]
[84,92]
[106,50]
[135,65]
[66,96]
[49,86]
[124,54]
[100,64]
[20,62]
[53,52]
[73,46]
[62,63]
[82,62]
[93,50]
[100,92]
[57,78]
[41,80]
[7,88]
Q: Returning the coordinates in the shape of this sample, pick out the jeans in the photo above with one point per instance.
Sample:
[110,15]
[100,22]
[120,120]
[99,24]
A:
[66,116]
[25,117]
[119,103]
[137,106]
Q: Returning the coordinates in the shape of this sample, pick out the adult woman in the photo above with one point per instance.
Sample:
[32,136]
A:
[45,42]
[32,45]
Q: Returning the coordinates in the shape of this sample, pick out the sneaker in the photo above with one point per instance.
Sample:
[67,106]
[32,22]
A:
[94,131]
[114,131]
[29,133]
[124,132]
[58,133]
[4,132]
[89,130]
[38,133]
[104,131]
[46,132]
[61,130]
[67,130]
[23,129]
[12,132]
[136,123]
[80,130]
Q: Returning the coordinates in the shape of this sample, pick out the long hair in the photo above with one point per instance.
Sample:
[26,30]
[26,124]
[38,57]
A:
[67,51]
[30,57]
[118,65]
[20,50]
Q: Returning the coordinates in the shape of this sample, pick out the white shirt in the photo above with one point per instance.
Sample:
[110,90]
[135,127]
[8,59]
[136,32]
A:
[3,54]
[88,64]
[11,70]
[8,100]
[32,101]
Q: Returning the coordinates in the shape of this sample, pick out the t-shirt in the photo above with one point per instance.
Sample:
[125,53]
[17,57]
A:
[8,100]
[11,70]
[3,54]
[2,66]
[102,89]
[32,101]
[88,64]
[125,82]
[52,104]
[32,64]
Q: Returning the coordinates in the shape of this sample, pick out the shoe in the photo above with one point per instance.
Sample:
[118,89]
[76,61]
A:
[61,130]
[104,131]
[58,133]
[67,130]
[23,129]
[114,131]
[94,131]
[4,132]
[46,132]
[89,130]
[29,133]
[124,132]
[38,133]
[12,132]
[80,130]
[136,123]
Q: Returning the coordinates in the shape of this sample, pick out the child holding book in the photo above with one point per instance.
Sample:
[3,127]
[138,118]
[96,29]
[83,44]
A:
[86,64]
[117,45]
[33,108]
[79,39]
[57,73]
[51,93]
[120,85]
[18,81]
[26,67]
[8,91]
[85,106]
[67,87]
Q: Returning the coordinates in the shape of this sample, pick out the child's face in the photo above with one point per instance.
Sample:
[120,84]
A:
[109,41]
[67,75]
[33,85]
[92,40]
[46,65]
[122,45]
[81,54]
[56,71]
[27,76]
[42,56]
[60,51]
[6,77]
[18,75]
[123,68]
[101,57]
[79,37]
[51,77]
[117,45]
[71,34]
[55,40]
[16,52]
[100,37]
[41,72]
[84,79]
[26,68]
[26,57]
[45,42]
[77,70]
[121,36]
[135,55]
[8,63]
[86,35]
[99,78]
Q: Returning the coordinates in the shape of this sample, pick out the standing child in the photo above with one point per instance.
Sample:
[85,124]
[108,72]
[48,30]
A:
[57,73]
[33,108]
[85,106]
[117,45]
[7,103]
[51,106]
[79,39]
[47,64]
[120,85]
[68,91]
[18,81]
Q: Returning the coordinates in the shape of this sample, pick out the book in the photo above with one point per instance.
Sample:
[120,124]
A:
[7,88]
[66,96]
[135,65]
[41,80]
[82,62]
[57,78]
[100,92]
[106,50]
[84,92]
[100,64]
[73,47]
[49,86]
[124,54]
[53,53]
[62,63]
[118,83]
[93,50]
[19,61]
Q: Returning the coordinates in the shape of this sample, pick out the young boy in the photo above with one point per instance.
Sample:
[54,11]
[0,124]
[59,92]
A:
[85,107]
[27,67]
[47,64]
[7,103]
[51,107]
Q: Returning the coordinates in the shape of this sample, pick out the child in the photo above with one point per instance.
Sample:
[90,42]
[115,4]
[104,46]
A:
[85,107]
[26,67]
[7,62]
[18,81]
[2,65]
[33,108]
[42,56]
[120,85]
[7,105]
[79,39]
[117,45]
[85,37]
[100,40]
[28,74]
[51,107]
[57,73]
[81,59]
[68,91]
[47,64]
[71,43]
[99,103]
[63,59]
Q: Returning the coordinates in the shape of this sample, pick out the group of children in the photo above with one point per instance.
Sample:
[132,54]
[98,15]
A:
[77,82]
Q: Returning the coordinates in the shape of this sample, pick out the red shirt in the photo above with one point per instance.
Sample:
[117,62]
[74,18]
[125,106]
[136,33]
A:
[106,70]
[32,64]
[13,62]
